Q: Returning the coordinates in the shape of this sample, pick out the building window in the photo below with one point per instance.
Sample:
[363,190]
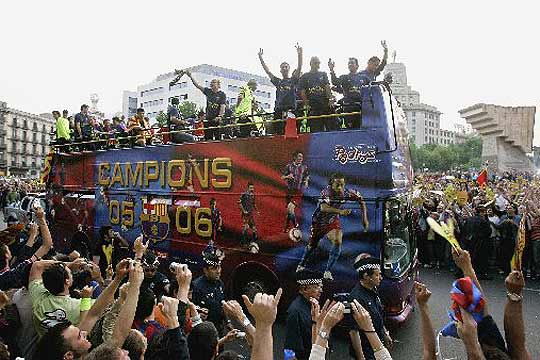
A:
[43,149]
[43,138]
[35,127]
[43,128]
[34,137]
[24,135]
[14,122]
[14,133]
[414,113]
[34,149]
[24,148]
[26,124]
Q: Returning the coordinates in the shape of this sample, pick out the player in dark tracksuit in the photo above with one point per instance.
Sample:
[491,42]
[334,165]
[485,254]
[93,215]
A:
[248,207]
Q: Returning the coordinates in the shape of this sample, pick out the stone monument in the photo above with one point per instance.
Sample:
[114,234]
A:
[93,110]
[507,134]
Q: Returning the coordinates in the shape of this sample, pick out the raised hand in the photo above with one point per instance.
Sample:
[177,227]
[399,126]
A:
[123,268]
[136,274]
[361,316]
[383,43]
[261,51]
[333,316]
[331,64]
[183,276]
[462,258]
[33,230]
[169,308]
[263,308]
[467,327]
[230,337]
[422,293]
[139,247]
[515,282]
[233,309]
[298,48]
[87,292]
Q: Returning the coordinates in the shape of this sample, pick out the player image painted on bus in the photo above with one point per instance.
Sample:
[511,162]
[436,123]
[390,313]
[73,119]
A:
[296,173]
[217,220]
[248,208]
[325,221]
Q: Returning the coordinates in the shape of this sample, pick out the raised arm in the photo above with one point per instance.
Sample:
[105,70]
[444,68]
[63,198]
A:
[462,258]
[106,297]
[127,314]
[335,80]
[428,334]
[265,67]
[45,234]
[264,310]
[299,52]
[514,328]
[381,66]
[195,83]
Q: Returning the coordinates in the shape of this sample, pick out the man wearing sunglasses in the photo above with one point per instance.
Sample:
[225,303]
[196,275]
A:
[153,279]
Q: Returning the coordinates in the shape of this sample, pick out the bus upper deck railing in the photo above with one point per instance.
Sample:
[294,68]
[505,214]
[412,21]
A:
[155,132]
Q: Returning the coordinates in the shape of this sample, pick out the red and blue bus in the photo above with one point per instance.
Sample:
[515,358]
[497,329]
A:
[182,196]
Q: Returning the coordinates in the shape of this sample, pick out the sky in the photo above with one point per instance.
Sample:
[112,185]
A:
[54,54]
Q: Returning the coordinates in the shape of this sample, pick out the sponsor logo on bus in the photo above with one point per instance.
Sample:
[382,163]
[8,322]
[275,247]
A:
[361,154]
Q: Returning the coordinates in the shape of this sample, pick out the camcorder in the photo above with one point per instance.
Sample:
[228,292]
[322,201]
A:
[345,299]
[174,265]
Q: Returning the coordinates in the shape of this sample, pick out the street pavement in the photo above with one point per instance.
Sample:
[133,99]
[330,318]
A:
[409,338]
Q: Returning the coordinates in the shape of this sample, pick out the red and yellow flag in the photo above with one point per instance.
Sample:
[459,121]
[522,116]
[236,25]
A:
[520,246]
[482,178]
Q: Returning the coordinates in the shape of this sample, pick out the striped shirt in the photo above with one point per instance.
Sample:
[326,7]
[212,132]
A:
[300,174]
[329,197]
[534,228]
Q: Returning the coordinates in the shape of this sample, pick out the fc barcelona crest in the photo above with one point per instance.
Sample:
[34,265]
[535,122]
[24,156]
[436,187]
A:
[155,219]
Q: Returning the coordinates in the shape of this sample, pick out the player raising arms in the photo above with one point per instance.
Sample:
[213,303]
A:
[326,222]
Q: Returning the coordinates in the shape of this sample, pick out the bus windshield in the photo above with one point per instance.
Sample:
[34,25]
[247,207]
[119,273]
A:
[397,240]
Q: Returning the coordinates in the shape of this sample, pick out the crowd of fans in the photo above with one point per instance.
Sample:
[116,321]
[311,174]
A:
[116,300]
[486,213]
[308,94]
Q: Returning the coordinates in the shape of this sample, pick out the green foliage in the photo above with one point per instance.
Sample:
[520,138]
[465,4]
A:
[187,109]
[161,119]
[443,158]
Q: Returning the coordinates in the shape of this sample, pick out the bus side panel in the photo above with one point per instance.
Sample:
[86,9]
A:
[185,178]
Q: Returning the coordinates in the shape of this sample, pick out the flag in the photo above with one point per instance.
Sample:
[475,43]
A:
[47,167]
[520,246]
[482,178]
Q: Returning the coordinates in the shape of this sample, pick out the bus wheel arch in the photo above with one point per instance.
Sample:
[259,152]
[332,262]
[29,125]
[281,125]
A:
[250,278]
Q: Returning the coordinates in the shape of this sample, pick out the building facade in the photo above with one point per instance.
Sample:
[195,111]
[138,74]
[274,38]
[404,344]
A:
[423,120]
[155,96]
[24,141]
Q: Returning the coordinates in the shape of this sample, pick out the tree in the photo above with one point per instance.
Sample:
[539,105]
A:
[161,119]
[188,109]
[443,158]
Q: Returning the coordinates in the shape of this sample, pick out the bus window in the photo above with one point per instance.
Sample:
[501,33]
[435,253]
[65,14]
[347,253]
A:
[397,243]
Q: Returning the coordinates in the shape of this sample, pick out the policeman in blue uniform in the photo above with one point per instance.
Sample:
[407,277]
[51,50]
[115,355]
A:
[208,290]
[299,322]
[365,292]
